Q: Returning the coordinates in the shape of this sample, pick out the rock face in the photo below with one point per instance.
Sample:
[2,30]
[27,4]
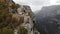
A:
[28,18]
[28,22]
[27,8]
[24,7]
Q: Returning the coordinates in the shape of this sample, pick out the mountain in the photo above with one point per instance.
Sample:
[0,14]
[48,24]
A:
[48,20]
[49,11]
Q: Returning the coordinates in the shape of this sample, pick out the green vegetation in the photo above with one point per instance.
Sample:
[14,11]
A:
[7,31]
[23,30]
[5,17]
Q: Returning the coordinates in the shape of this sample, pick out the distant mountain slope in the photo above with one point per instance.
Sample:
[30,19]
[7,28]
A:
[49,11]
[48,20]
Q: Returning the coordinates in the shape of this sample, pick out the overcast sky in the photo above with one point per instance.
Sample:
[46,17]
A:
[37,4]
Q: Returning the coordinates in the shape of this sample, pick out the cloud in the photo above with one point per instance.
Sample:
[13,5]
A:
[37,4]
[58,2]
[33,2]
[40,2]
[34,8]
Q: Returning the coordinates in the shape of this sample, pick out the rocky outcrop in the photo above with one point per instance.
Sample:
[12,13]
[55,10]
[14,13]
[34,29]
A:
[16,15]
[25,8]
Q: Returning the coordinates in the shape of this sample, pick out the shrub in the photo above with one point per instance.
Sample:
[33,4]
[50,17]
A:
[23,30]
[7,31]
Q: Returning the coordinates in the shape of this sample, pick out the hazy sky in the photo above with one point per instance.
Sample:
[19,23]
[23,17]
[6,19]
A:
[37,4]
